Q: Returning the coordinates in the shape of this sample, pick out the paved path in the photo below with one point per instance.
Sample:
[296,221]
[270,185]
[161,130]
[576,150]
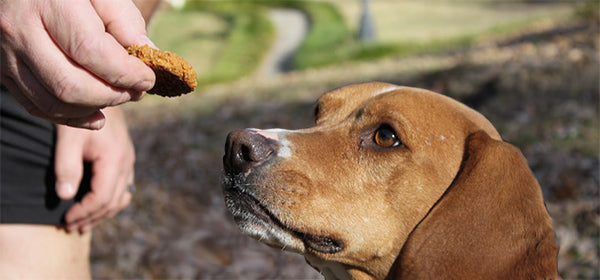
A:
[291,27]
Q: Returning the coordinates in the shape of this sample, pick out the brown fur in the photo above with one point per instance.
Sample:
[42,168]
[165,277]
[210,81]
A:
[490,224]
[418,208]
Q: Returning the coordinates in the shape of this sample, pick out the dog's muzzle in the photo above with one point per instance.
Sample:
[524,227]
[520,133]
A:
[246,149]
[248,154]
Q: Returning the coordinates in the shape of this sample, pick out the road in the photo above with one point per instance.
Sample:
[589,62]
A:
[291,26]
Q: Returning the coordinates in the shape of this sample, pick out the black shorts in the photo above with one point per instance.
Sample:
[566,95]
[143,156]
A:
[27,181]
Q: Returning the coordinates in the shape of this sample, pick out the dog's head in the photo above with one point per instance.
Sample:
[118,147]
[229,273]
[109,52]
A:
[348,192]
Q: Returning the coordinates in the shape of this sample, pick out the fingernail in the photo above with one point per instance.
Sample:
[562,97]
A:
[64,189]
[148,42]
[94,122]
[94,125]
[144,85]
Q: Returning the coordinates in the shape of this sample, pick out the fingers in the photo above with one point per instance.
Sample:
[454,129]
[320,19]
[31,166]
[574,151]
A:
[108,197]
[121,201]
[85,39]
[67,60]
[68,166]
[64,66]
[106,185]
[123,21]
[82,117]
[111,154]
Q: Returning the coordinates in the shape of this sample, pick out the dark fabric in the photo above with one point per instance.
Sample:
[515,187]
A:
[27,179]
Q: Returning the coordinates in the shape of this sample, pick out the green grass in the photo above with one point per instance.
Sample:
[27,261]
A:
[250,35]
[428,20]
[408,27]
[324,44]
[226,40]
[328,32]
[197,36]
[222,40]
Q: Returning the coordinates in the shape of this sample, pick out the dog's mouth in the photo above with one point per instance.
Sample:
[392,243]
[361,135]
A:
[257,221]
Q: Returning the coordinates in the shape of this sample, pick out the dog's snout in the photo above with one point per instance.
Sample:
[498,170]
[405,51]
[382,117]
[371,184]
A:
[245,149]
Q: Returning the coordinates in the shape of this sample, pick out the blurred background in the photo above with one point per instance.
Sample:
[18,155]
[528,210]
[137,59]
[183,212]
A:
[531,67]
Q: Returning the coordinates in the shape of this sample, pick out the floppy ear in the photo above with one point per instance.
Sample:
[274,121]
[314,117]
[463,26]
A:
[490,224]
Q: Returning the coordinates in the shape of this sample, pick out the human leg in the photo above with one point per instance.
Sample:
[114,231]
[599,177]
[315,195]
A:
[39,251]
[32,246]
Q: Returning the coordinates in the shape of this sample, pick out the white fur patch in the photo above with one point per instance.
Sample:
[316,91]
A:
[284,150]
[278,135]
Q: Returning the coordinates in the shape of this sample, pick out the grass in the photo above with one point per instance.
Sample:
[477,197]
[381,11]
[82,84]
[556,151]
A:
[250,35]
[324,43]
[429,20]
[198,36]
[226,40]
[222,40]
[409,27]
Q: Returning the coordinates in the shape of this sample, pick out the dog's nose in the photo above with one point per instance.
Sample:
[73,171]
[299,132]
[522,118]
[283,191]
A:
[245,149]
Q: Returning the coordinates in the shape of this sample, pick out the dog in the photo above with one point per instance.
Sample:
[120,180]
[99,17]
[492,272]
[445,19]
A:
[392,182]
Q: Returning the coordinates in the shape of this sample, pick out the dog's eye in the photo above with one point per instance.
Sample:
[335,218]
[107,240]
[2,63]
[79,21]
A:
[386,137]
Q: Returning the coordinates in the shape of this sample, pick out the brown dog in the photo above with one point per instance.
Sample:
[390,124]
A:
[392,182]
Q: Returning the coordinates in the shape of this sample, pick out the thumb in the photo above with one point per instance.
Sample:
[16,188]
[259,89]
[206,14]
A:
[124,21]
[68,165]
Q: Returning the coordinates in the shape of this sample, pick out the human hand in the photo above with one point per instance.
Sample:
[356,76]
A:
[64,60]
[111,154]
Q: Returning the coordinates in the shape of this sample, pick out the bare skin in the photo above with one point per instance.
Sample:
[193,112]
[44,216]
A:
[59,84]
[68,253]
[63,252]
[65,60]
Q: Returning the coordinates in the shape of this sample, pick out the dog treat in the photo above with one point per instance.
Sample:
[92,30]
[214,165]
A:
[174,76]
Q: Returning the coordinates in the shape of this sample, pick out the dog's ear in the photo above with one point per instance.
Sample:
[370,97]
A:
[491,223]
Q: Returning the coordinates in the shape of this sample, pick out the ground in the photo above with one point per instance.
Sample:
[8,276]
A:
[539,88]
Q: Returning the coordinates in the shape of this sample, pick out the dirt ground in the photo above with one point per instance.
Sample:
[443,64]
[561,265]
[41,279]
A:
[540,89]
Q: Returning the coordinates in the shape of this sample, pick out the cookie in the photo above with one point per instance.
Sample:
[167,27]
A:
[174,76]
